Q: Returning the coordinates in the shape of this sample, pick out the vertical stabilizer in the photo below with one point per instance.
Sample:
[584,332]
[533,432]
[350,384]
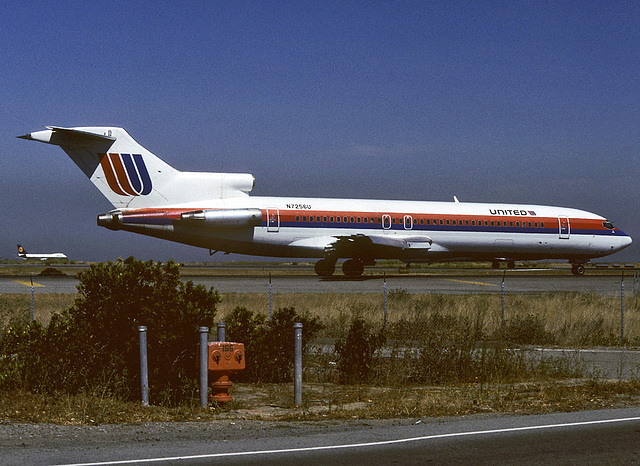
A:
[130,176]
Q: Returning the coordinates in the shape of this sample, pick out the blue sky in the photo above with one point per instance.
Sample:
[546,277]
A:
[519,102]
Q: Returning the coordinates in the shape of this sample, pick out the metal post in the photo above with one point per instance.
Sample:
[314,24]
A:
[144,373]
[384,294]
[204,365]
[269,296]
[502,301]
[31,276]
[221,331]
[297,366]
[622,309]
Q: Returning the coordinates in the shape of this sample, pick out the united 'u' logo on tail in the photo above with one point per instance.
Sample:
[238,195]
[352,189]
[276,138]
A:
[126,174]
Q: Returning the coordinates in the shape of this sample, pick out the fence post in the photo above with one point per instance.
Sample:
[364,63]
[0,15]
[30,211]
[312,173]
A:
[144,373]
[384,294]
[622,309]
[502,302]
[204,365]
[297,366]
[32,315]
[269,296]
[221,331]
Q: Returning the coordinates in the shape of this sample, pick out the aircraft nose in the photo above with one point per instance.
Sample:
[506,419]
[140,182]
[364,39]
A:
[623,242]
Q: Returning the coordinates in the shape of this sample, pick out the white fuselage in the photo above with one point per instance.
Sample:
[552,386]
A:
[415,230]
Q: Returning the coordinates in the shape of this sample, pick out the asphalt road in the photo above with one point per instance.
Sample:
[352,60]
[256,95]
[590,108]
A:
[591,437]
[515,282]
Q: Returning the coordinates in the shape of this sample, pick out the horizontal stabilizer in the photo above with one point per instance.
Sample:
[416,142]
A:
[66,136]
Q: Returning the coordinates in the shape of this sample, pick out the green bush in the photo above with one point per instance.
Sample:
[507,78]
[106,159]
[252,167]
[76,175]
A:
[269,345]
[94,345]
[526,330]
[355,352]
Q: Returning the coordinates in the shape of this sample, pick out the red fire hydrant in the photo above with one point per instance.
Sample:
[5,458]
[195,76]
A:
[224,359]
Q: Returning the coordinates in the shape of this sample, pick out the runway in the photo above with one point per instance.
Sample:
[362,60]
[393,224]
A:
[590,437]
[469,282]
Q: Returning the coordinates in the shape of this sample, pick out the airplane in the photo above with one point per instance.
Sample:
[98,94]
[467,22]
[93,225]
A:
[216,212]
[23,254]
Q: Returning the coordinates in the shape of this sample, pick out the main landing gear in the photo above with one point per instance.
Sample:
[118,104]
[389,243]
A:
[351,267]
[510,264]
[325,267]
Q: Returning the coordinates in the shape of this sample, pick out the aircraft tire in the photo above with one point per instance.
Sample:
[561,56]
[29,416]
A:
[495,264]
[353,268]
[577,269]
[325,268]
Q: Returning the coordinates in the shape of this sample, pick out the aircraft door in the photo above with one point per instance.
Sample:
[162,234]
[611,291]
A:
[564,227]
[408,222]
[273,220]
[386,222]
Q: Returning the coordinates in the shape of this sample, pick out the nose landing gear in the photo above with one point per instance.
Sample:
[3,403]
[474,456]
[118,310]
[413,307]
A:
[577,269]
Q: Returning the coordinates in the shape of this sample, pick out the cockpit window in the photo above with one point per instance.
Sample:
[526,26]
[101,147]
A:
[608,225]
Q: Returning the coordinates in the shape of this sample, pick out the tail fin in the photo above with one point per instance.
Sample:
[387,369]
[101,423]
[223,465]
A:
[130,176]
[22,252]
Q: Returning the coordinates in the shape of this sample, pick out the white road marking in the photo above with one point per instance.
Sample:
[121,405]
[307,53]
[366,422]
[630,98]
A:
[359,445]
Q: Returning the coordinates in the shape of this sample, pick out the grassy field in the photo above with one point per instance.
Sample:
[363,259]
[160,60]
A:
[557,319]
[565,319]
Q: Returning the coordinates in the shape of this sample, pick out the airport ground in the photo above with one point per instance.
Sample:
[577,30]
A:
[606,279]
[252,425]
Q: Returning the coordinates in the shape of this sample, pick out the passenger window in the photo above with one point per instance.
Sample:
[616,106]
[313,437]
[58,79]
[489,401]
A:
[304,218]
[486,223]
[324,219]
[473,223]
[297,218]
[358,219]
[447,222]
[351,219]
[453,222]
[510,224]
[529,224]
[517,224]
[492,223]
[535,224]
[331,219]
[498,223]
[541,224]
[466,223]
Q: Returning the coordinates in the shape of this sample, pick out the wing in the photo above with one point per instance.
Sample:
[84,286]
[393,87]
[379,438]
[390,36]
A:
[364,246]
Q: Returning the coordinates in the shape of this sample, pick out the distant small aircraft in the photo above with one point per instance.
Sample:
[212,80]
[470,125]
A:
[215,211]
[23,254]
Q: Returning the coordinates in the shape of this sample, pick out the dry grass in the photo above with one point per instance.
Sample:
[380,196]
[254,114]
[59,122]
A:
[329,401]
[568,316]
[18,306]
[571,317]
